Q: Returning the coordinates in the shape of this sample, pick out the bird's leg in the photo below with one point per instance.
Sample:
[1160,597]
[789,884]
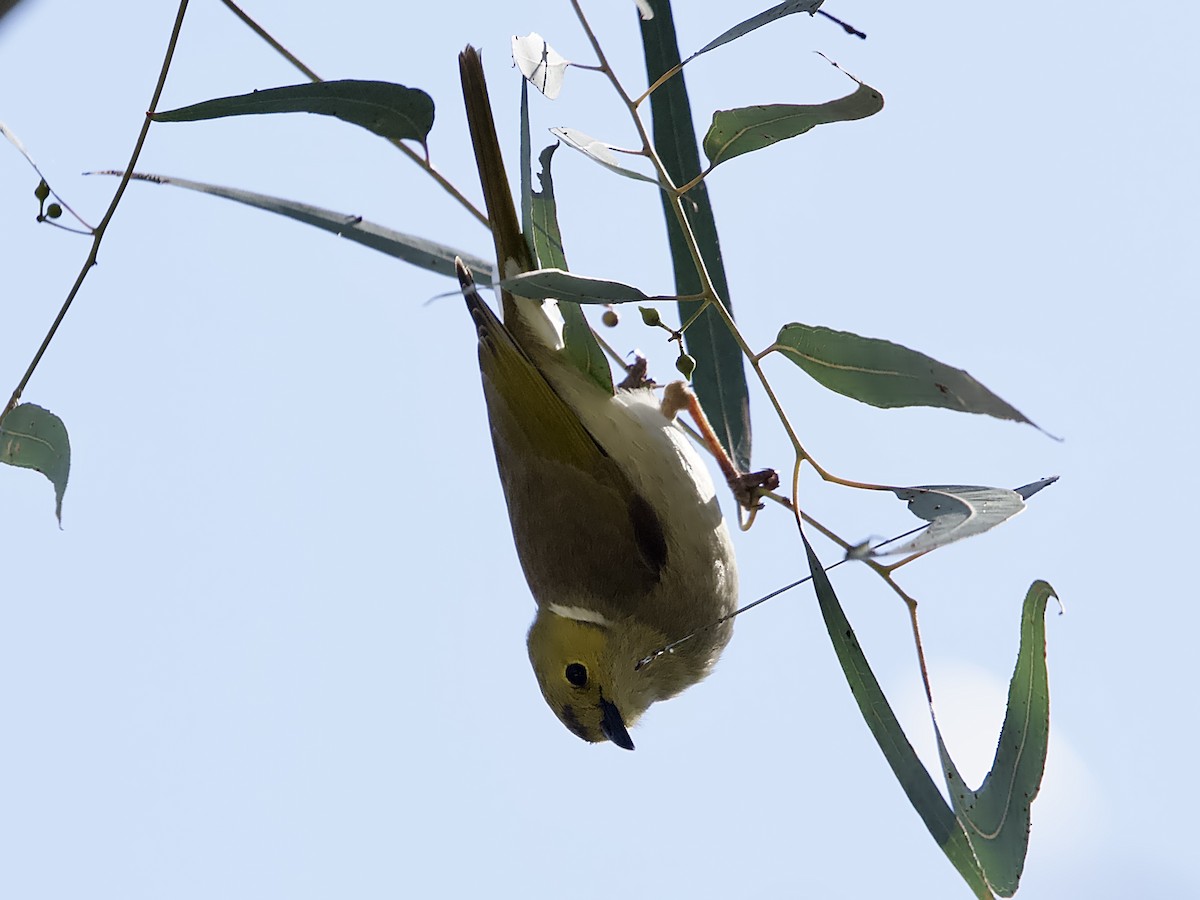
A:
[746,486]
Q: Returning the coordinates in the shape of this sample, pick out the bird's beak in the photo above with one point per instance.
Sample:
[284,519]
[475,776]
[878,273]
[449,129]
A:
[613,725]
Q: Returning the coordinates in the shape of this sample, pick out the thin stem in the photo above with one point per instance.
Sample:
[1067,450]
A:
[308,73]
[708,292]
[662,79]
[916,630]
[98,234]
[695,181]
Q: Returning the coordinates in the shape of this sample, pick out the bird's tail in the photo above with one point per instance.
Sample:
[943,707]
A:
[512,251]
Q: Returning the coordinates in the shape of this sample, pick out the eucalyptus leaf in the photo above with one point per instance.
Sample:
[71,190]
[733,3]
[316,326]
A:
[887,375]
[955,512]
[542,65]
[737,131]
[420,252]
[910,772]
[719,379]
[556,284]
[389,110]
[996,817]
[35,438]
[600,152]
[579,341]
[758,21]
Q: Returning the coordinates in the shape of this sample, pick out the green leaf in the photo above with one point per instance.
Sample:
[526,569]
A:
[420,252]
[887,375]
[996,817]
[920,788]
[758,21]
[35,438]
[720,377]
[580,342]
[737,131]
[955,511]
[389,110]
[559,285]
[598,151]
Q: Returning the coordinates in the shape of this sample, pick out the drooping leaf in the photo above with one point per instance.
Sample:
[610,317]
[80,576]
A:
[35,438]
[420,252]
[389,110]
[955,511]
[541,64]
[737,131]
[996,817]
[581,345]
[910,772]
[559,285]
[887,375]
[605,154]
[758,21]
[719,379]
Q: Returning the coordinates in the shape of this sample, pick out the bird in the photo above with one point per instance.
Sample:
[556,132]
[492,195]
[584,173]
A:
[614,514]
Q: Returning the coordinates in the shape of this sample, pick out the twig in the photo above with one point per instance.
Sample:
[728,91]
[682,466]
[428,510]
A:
[98,234]
[308,73]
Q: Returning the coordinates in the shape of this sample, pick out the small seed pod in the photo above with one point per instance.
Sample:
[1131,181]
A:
[650,316]
[686,365]
[42,191]
[610,317]
[53,211]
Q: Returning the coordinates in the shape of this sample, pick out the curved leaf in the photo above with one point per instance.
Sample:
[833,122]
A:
[542,65]
[720,376]
[600,152]
[956,512]
[420,252]
[887,375]
[35,438]
[579,341]
[737,131]
[910,772]
[758,21]
[996,817]
[556,284]
[389,110]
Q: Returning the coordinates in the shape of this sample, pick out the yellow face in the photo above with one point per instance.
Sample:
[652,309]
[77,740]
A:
[577,669]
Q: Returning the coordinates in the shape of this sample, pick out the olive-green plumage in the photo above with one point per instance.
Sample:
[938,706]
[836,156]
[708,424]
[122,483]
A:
[614,515]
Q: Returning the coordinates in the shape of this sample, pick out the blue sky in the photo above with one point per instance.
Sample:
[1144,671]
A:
[277,648]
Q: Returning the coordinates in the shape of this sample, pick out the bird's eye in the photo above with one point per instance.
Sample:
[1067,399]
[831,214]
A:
[577,674]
